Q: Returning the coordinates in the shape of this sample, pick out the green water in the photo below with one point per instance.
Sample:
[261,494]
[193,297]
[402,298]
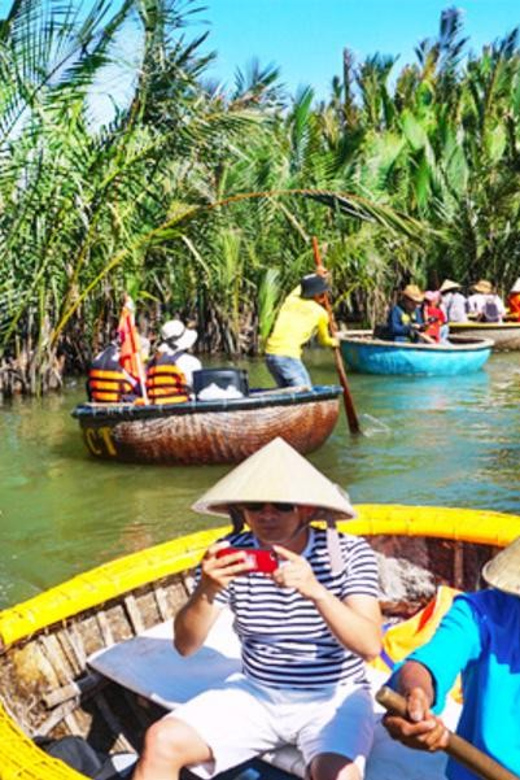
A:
[451,442]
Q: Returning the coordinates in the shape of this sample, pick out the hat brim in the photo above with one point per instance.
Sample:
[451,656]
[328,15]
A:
[264,477]
[187,340]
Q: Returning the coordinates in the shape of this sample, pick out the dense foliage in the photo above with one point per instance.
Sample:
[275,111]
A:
[203,203]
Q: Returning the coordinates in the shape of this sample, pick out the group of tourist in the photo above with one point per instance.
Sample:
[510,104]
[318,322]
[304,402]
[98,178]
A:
[167,374]
[425,316]
[416,317]
[306,629]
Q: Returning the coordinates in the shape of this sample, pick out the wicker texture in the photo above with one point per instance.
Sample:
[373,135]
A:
[224,436]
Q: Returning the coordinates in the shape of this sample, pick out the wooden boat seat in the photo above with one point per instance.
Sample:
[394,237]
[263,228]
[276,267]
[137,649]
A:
[149,666]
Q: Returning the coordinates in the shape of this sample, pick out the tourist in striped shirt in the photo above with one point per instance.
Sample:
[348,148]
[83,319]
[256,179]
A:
[306,628]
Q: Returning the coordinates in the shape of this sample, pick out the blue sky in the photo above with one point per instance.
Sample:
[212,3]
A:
[306,38]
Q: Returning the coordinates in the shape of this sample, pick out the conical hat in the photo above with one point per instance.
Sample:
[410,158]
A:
[449,284]
[516,287]
[276,473]
[503,571]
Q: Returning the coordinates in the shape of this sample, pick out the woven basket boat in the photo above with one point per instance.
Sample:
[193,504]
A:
[505,335]
[367,355]
[47,688]
[207,432]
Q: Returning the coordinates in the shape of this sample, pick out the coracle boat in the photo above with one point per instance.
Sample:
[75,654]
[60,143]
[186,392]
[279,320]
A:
[505,335]
[367,355]
[93,657]
[225,430]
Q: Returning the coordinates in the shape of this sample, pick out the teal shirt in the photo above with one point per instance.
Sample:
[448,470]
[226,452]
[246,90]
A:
[480,637]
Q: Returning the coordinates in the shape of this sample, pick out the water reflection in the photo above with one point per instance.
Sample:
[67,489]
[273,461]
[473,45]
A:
[451,442]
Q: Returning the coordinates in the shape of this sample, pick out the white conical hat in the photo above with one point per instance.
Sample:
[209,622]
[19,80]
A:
[276,473]
[503,571]
[516,287]
[449,284]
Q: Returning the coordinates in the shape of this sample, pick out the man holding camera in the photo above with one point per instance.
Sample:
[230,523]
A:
[305,628]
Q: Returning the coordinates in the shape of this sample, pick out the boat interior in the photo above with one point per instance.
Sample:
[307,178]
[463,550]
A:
[100,662]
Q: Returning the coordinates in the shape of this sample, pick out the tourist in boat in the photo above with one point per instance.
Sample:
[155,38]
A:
[433,316]
[453,302]
[169,374]
[302,315]
[306,629]
[513,302]
[107,381]
[405,319]
[484,305]
[480,638]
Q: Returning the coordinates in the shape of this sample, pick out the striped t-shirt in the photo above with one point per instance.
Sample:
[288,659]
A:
[285,641]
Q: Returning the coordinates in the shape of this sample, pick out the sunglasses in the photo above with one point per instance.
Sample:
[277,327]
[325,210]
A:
[257,506]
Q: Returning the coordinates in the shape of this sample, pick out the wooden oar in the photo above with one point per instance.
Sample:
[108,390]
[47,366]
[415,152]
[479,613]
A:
[460,749]
[352,418]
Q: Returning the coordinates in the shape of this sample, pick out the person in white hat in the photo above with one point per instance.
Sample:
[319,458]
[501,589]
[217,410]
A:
[305,627]
[453,302]
[170,371]
[480,638]
[513,302]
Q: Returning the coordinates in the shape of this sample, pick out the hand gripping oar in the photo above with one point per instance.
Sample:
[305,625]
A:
[352,418]
[461,750]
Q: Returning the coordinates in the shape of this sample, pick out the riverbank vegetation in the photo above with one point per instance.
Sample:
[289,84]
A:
[203,203]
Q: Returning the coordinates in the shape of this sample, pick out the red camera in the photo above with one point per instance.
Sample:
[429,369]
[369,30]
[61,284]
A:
[264,561]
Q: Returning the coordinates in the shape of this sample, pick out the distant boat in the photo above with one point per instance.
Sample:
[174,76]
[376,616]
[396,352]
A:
[505,335]
[368,355]
[226,430]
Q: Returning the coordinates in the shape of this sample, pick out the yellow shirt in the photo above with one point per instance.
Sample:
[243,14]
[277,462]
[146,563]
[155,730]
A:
[299,319]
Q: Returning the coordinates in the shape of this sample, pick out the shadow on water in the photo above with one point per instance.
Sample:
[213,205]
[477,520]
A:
[451,442]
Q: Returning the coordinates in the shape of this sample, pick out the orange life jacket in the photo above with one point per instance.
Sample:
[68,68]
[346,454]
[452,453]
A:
[400,639]
[165,382]
[513,305]
[107,382]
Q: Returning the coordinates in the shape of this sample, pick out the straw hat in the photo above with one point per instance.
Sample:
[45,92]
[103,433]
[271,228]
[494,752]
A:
[503,571]
[449,285]
[516,287]
[412,292]
[276,473]
[483,286]
[178,335]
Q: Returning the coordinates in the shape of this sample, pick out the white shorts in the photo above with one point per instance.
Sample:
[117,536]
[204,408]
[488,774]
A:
[241,719]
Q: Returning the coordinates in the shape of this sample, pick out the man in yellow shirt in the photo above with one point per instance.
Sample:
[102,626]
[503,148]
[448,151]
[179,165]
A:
[301,316]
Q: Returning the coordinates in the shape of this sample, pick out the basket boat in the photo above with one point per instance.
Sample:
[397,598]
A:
[49,687]
[504,335]
[206,432]
[367,355]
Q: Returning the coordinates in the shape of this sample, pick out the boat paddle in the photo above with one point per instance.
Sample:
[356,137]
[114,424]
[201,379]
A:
[352,418]
[458,748]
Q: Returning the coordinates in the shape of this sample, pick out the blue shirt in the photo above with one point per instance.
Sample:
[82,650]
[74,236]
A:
[480,637]
[399,323]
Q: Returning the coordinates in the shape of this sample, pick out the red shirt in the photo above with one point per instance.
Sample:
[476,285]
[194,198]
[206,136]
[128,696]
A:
[434,328]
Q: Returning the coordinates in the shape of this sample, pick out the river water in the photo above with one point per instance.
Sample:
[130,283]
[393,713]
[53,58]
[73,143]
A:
[445,441]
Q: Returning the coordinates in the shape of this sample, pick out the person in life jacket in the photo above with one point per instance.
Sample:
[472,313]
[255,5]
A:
[484,305]
[107,381]
[513,302]
[169,372]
